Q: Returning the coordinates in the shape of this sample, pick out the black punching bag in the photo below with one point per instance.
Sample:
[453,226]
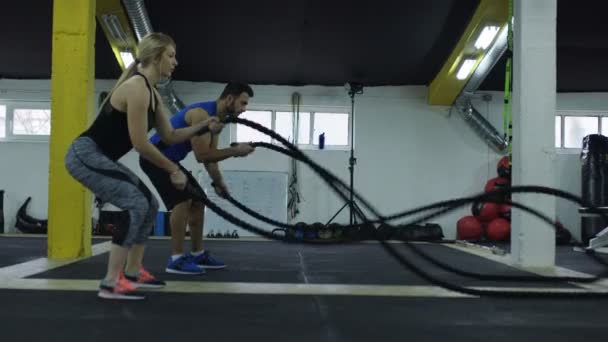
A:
[592,169]
[1,211]
[594,182]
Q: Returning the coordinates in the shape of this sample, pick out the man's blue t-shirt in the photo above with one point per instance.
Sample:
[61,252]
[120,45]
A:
[179,151]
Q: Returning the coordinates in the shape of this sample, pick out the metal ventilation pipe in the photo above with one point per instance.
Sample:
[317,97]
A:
[138,16]
[171,101]
[136,10]
[478,123]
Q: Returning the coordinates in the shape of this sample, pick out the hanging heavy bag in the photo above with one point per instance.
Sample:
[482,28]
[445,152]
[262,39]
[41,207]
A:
[593,165]
[593,149]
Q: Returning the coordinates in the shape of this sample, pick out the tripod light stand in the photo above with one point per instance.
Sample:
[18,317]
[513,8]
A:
[353,89]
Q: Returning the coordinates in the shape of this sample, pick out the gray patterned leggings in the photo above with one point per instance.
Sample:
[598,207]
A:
[114,183]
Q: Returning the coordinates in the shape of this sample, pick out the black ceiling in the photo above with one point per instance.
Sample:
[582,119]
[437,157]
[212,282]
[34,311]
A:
[314,42]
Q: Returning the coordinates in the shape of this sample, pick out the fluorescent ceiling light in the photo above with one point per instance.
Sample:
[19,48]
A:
[465,68]
[486,37]
[127,58]
[114,27]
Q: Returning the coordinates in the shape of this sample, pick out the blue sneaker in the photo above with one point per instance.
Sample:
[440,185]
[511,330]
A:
[205,260]
[184,265]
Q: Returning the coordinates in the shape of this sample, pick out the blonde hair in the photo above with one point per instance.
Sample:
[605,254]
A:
[150,48]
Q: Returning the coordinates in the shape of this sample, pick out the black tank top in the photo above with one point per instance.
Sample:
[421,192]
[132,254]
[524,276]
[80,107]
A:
[110,130]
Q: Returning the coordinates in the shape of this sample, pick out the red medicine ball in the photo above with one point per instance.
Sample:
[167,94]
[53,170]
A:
[498,230]
[497,183]
[503,168]
[469,228]
[485,211]
[504,211]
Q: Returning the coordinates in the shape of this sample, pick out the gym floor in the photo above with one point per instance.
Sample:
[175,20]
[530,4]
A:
[292,292]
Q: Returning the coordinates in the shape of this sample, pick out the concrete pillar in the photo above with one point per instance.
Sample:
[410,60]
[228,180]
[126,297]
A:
[72,104]
[534,88]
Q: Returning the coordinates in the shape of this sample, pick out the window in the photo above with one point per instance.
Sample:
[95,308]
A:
[558,131]
[25,121]
[577,127]
[304,129]
[31,121]
[335,127]
[310,125]
[284,126]
[246,133]
[604,126]
[2,121]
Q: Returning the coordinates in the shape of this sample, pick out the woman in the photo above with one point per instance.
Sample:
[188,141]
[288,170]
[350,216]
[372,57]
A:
[129,112]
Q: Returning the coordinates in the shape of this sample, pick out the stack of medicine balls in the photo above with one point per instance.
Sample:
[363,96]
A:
[489,220]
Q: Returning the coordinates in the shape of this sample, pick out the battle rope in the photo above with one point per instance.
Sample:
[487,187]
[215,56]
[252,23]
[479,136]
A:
[442,208]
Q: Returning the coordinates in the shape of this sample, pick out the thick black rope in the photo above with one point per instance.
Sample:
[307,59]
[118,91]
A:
[483,197]
[446,206]
[452,205]
[487,196]
[447,267]
[526,190]
[392,251]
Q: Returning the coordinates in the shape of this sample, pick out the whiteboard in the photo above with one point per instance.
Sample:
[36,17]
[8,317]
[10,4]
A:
[265,192]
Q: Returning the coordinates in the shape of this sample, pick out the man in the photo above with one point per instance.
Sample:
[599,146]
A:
[185,209]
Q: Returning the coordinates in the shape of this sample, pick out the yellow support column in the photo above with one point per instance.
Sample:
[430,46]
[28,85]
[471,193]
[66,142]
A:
[72,103]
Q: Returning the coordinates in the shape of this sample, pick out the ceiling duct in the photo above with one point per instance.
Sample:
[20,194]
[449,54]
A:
[171,101]
[138,16]
[480,125]
[463,104]
[136,10]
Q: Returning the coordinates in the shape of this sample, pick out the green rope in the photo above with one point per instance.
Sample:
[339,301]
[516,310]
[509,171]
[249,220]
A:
[507,114]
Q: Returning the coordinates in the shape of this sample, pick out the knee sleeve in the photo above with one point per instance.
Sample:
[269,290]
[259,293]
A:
[121,229]
[148,225]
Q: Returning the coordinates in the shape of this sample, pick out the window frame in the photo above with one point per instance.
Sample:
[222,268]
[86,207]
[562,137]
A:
[233,127]
[348,127]
[562,114]
[313,145]
[11,105]
[4,136]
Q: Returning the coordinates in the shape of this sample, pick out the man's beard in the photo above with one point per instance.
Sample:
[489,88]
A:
[231,110]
